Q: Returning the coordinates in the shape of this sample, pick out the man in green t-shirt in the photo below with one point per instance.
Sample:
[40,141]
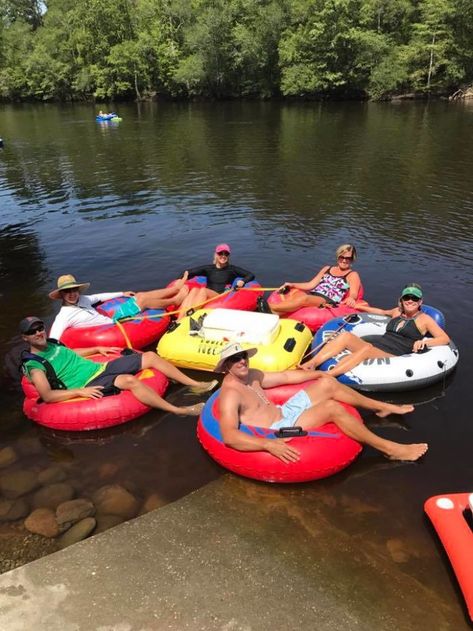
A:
[85,378]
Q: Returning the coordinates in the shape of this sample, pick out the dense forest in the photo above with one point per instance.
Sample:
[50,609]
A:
[140,49]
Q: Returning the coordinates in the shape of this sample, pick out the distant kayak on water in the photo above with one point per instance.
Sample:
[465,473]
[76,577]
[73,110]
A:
[101,117]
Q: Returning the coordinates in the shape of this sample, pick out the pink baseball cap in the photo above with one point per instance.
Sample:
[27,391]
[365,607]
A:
[223,247]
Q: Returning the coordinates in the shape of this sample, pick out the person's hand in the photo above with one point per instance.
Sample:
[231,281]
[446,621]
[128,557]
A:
[107,350]
[239,284]
[349,302]
[278,447]
[308,365]
[90,392]
[285,287]
[128,294]
[419,345]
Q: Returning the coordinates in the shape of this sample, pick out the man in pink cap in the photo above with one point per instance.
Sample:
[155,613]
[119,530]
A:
[219,275]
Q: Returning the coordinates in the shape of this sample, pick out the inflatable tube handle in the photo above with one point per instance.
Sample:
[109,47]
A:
[290,432]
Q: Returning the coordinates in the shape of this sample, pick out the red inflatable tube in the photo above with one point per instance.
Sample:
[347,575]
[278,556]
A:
[314,317]
[324,451]
[448,516]
[141,331]
[86,414]
[241,299]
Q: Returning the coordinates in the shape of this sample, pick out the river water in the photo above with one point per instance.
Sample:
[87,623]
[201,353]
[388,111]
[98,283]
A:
[131,205]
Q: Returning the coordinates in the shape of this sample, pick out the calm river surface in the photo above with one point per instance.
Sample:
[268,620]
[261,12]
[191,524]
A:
[129,206]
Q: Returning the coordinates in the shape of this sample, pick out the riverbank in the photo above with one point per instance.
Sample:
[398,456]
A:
[234,555]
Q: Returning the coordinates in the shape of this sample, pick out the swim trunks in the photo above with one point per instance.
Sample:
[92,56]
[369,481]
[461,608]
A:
[125,365]
[127,309]
[292,409]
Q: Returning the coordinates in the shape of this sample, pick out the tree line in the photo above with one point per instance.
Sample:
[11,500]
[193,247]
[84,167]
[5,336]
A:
[139,49]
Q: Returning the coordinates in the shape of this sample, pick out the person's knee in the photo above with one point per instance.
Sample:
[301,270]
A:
[140,299]
[327,385]
[126,382]
[148,358]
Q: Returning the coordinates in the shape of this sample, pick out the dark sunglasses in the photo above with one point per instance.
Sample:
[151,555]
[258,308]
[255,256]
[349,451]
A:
[345,258]
[238,357]
[223,253]
[36,329]
[410,297]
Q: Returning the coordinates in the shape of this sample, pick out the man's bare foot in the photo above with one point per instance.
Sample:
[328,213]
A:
[390,408]
[191,410]
[204,386]
[406,452]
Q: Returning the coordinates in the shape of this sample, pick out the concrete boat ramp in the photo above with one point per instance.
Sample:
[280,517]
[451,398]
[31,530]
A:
[234,556]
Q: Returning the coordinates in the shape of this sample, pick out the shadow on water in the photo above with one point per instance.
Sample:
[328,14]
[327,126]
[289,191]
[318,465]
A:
[130,207]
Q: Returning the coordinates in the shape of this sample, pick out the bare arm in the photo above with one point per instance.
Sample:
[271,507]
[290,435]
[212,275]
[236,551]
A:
[365,307]
[233,437]
[354,283]
[41,383]
[96,350]
[310,284]
[428,325]
[273,379]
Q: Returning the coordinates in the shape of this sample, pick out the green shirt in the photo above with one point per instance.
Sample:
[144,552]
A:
[72,369]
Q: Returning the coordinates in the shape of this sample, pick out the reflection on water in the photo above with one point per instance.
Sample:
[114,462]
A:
[130,206]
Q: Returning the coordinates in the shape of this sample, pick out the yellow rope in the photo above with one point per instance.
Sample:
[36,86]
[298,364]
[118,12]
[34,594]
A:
[123,332]
[157,316]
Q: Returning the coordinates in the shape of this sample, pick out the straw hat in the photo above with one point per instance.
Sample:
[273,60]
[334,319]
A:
[233,349]
[67,281]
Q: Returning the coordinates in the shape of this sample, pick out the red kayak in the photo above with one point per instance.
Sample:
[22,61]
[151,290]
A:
[449,515]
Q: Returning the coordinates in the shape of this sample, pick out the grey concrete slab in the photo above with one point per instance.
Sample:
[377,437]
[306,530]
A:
[233,556]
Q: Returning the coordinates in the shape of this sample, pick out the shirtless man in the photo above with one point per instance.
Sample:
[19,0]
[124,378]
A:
[77,310]
[243,400]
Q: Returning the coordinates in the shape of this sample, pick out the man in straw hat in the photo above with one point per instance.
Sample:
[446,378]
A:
[78,310]
[85,378]
[243,400]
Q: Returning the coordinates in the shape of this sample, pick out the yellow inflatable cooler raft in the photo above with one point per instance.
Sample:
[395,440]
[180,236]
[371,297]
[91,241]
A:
[196,340]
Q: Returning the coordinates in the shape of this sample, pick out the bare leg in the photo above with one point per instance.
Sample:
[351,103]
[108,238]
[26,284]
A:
[327,388]
[152,360]
[149,397]
[338,344]
[296,300]
[196,297]
[353,359]
[332,411]
[161,298]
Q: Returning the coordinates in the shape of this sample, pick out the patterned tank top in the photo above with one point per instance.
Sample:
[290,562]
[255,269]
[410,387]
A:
[332,287]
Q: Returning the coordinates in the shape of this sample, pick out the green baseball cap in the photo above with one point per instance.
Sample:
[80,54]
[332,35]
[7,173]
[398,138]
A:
[411,291]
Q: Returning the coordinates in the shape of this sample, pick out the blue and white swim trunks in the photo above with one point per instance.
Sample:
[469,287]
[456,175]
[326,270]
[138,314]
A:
[292,409]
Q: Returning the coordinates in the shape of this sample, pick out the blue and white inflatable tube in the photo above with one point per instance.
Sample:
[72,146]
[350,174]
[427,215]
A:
[388,374]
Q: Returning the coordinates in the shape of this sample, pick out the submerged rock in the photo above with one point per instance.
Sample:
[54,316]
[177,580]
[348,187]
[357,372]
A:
[104,522]
[18,483]
[73,511]
[115,500]
[7,457]
[79,531]
[11,510]
[152,502]
[42,521]
[52,495]
[51,475]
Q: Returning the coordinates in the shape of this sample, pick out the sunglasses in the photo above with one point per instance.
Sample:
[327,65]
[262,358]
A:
[238,357]
[227,254]
[345,258]
[410,297]
[70,290]
[36,329]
